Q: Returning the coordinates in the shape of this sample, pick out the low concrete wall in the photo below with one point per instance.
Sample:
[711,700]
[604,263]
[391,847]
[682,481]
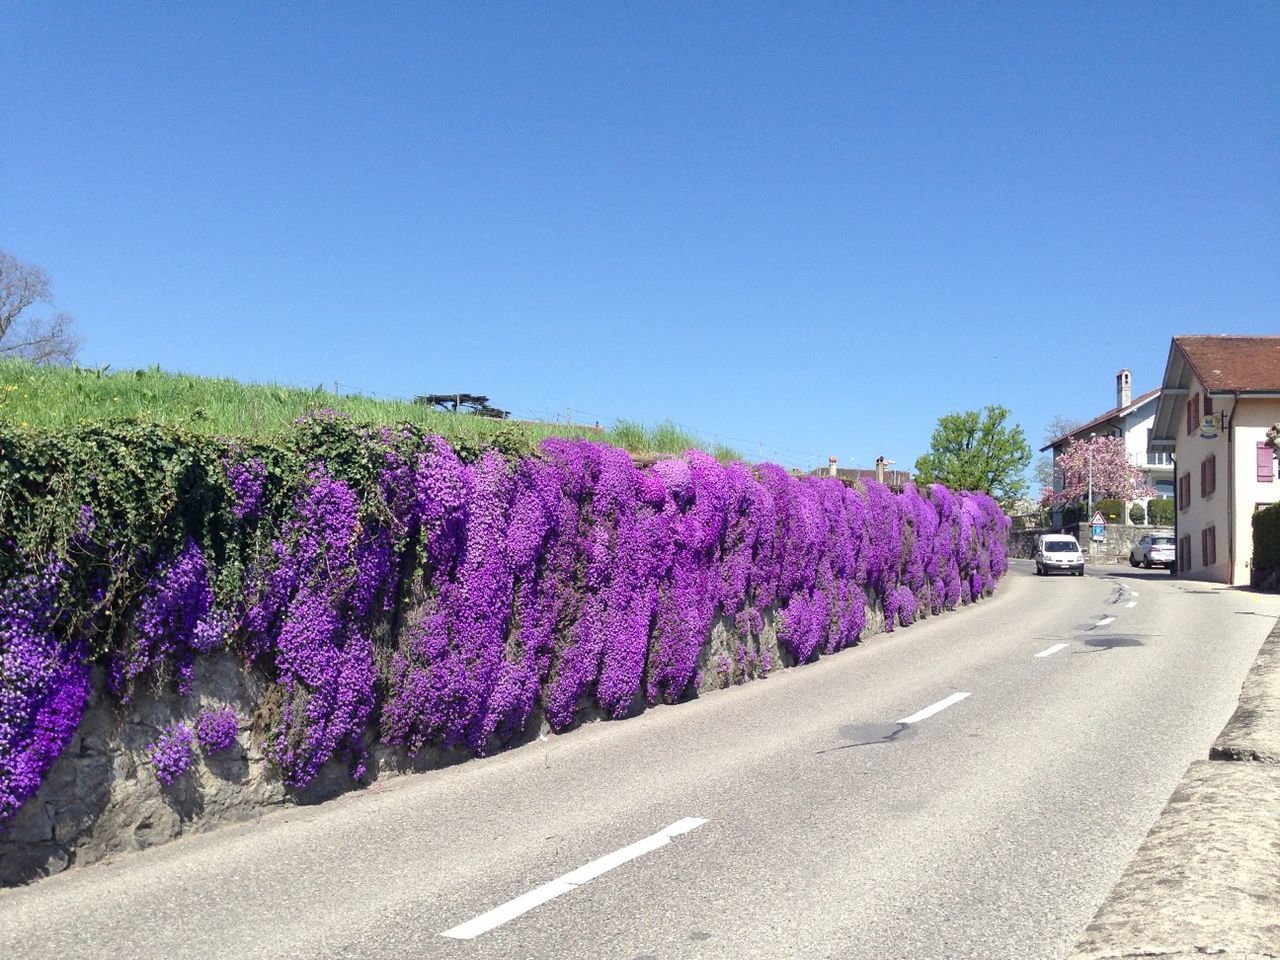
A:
[1206,880]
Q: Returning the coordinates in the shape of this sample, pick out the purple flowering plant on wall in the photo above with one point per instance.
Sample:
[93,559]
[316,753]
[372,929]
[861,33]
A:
[393,587]
[216,729]
[171,754]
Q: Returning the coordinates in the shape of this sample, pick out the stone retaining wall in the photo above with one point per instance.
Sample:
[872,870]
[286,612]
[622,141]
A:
[102,798]
[1114,548]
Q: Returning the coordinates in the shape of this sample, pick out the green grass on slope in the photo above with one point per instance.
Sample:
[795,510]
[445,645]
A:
[67,396]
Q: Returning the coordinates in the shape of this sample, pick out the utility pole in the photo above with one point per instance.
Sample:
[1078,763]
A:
[1091,436]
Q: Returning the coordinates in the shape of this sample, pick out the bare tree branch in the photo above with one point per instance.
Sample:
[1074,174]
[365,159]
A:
[40,339]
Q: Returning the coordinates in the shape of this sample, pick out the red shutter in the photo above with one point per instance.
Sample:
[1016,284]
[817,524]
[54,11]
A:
[1208,404]
[1266,465]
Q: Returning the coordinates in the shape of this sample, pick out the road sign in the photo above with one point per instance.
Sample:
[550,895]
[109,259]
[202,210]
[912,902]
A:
[1098,531]
[1098,519]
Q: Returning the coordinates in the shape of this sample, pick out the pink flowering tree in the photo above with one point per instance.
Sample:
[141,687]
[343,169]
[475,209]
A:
[1107,461]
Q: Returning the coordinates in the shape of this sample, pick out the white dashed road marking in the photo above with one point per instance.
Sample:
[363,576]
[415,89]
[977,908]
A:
[1052,650]
[1131,604]
[1105,620]
[570,881]
[930,710]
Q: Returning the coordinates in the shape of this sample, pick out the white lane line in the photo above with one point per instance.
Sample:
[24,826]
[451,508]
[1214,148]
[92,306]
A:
[1131,604]
[1105,620]
[929,711]
[1134,594]
[1052,650]
[570,881]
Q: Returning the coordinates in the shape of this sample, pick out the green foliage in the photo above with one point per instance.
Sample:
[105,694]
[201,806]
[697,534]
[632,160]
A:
[1160,513]
[148,487]
[978,450]
[1110,508]
[1266,538]
[1137,515]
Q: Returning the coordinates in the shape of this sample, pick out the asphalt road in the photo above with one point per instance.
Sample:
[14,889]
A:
[823,825]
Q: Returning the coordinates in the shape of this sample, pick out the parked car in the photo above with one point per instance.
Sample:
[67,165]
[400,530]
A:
[1058,551]
[1155,550]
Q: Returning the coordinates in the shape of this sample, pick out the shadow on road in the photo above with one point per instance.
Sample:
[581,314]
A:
[869,734]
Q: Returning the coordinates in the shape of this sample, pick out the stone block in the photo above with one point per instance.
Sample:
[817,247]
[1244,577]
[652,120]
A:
[1206,880]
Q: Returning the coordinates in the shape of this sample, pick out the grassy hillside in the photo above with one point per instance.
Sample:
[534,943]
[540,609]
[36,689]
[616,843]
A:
[60,397]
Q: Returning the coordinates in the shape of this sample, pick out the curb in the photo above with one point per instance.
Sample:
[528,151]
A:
[1206,879]
[1253,732]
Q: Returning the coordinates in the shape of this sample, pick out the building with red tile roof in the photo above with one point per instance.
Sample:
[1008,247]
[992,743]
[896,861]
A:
[1218,397]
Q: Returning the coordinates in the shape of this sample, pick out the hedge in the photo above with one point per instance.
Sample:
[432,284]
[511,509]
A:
[1266,538]
[394,588]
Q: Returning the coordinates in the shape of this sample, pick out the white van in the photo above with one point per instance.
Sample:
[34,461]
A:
[1058,551]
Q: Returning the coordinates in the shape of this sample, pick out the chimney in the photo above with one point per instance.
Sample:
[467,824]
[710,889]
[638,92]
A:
[1124,388]
[880,469]
[831,466]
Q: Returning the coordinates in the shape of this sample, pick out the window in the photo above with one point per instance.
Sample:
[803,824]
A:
[1209,546]
[1156,456]
[1208,475]
[1184,491]
[1266,463]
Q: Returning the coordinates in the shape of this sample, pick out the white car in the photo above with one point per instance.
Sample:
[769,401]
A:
[1058,552]
[1156,550]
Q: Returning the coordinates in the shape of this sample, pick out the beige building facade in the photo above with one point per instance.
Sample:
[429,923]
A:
[1219,396]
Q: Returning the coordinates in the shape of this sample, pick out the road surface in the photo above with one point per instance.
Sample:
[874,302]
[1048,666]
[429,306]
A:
[860,807]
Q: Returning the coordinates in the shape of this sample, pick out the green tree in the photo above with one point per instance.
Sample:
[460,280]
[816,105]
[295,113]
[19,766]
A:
[978,450]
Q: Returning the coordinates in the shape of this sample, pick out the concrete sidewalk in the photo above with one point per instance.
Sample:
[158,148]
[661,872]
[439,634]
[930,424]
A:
[1206,880]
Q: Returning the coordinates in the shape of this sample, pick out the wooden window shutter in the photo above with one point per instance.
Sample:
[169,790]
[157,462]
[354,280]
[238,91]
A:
[1266,464]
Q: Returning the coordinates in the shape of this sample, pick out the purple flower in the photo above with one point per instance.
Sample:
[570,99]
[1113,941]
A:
[216,729]
[246,479]
[44,685]
[171,754]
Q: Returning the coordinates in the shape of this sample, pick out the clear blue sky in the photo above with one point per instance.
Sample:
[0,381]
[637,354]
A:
[814,226]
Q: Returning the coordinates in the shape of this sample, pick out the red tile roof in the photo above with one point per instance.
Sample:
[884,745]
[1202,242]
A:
[1231,363]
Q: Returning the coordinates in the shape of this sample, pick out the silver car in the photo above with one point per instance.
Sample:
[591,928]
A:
[1154,550]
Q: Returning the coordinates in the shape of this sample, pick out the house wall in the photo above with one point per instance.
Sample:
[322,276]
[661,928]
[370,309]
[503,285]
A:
[1198,512]
[1137,429]
[1251,419]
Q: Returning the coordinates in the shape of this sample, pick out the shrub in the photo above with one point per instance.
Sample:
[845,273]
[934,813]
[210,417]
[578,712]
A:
[1160,513]
[1266,538]
[1137,515]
